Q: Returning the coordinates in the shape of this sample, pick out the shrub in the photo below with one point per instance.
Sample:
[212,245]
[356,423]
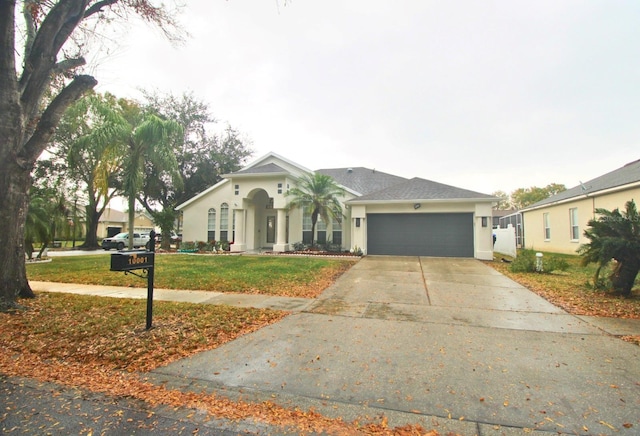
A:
[527,262]
[298,246]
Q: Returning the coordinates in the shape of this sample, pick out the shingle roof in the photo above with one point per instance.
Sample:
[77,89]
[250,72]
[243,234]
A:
[362,180]
[262,169]
[630,173]
[421,189]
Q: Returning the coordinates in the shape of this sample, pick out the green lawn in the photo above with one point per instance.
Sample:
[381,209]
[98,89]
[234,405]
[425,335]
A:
[273,275]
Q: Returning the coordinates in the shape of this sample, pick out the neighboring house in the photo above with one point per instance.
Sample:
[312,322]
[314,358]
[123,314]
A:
[111,222]
[383,213]
[114,221]
[557,223]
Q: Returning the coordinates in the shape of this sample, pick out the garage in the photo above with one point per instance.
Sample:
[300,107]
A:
[428,234]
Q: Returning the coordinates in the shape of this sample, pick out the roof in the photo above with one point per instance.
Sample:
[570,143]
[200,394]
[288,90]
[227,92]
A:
[269,168]
[113,215]
[628,174]
[362,180]
[421,189]
[367,184]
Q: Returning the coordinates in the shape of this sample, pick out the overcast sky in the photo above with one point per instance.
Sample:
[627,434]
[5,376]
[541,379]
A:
[483,95]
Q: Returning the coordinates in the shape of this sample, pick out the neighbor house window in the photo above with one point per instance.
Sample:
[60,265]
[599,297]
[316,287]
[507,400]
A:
[211,225]
[547,226]
[573,220]
[279,188]
[236,189]
[224,222]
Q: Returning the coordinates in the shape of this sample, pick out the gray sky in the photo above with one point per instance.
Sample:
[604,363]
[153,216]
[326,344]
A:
[483,95]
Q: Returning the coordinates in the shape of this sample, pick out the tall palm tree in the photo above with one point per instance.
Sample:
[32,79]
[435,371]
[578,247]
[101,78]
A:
[149,144]
[93,134]
[318,195]
[615,235]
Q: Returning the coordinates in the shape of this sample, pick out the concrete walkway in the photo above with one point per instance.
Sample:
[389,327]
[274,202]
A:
[448,343]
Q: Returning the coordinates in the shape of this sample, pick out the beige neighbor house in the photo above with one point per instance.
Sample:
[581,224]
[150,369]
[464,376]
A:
[383,213]
[113,221]
[557,223]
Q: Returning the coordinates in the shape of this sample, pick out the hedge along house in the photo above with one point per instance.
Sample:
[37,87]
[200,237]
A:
[557,223]
[383,214]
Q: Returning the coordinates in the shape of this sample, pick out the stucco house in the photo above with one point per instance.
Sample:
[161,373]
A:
[113,221]
[383,213]
[557,223]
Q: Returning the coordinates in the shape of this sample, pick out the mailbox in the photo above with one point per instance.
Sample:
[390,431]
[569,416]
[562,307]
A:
[130,260]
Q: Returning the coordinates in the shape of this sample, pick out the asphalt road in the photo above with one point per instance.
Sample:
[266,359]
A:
[30,407]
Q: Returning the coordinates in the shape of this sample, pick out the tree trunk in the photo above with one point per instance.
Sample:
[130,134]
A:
[91,238]
[14,198]
[624,276]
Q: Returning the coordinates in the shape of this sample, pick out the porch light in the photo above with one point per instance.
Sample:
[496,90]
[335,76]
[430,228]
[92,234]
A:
[417,206]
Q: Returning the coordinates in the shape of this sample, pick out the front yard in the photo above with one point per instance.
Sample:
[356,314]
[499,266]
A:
[271,275]
[572,290]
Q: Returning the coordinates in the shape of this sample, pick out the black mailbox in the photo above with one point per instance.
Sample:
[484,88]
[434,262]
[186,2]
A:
[130,260]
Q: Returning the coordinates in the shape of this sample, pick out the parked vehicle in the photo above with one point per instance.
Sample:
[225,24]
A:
[121,241]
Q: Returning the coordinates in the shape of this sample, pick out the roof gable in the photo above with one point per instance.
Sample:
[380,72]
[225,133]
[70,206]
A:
[628,174]
[269,168]
[421,189]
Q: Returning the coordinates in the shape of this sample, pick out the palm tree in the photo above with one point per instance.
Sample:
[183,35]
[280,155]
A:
[149,143]
[317,195]
[615,235]
[93,134]
[37,224]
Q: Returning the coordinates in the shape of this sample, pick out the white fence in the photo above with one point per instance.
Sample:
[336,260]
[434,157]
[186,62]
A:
[505,241]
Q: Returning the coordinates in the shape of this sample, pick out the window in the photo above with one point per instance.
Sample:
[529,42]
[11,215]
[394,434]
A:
[236,189]
[337,232]
[321,228]
[224,222]
[547,227]
[573,220]
[233,236]
[279,188]
[306,228]
[211,225]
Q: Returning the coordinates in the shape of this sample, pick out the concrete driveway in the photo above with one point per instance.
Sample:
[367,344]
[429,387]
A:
[448,343]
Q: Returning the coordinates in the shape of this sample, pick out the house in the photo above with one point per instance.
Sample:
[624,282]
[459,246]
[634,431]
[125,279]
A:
[383,213]
[113,221]
[557,223]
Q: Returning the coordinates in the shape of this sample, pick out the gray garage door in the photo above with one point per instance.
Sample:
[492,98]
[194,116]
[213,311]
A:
[433,234]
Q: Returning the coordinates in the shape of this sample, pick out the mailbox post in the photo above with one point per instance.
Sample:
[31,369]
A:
[129,261]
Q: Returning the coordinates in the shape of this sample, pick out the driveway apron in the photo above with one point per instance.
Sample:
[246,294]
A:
[449,343]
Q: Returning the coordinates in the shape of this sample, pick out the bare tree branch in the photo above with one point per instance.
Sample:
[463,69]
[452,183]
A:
[97,7]
[47,124]
[54,31]
[68,64]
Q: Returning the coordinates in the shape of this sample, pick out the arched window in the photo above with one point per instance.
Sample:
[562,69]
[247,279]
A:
[224,222]
[211,225]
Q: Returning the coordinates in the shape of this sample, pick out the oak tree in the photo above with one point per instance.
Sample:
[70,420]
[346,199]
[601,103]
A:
[41,55]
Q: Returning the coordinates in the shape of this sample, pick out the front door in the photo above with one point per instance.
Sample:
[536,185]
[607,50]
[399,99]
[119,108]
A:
[271,230]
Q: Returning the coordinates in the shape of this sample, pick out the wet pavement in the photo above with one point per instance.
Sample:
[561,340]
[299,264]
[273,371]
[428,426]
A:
[448,343]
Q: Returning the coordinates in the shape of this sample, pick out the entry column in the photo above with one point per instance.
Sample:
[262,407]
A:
[281,231]
[239,243]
